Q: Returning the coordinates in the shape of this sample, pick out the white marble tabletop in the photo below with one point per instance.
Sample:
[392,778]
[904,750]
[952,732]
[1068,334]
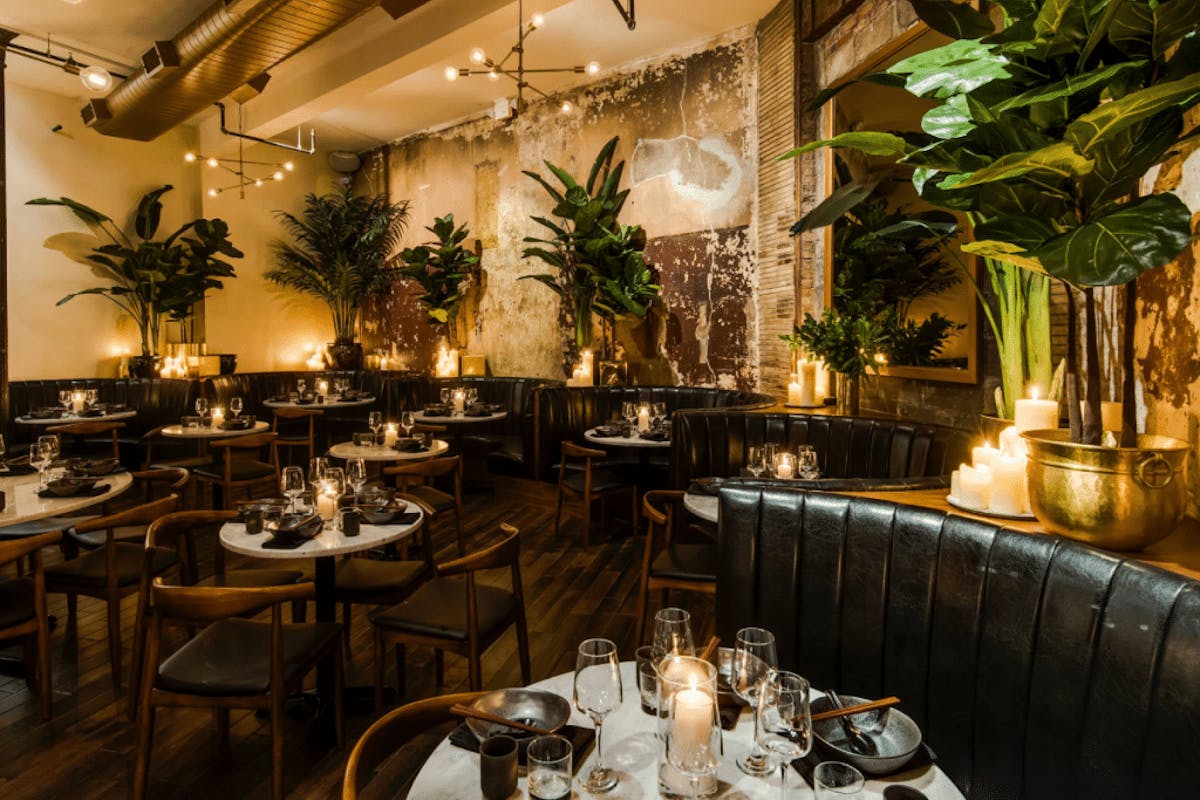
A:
[458,419]
[623,441]
[329,403]
[72,418]
[704,506]
[631,747]
[22,504]
[207,432]
[378,452]
[329,542]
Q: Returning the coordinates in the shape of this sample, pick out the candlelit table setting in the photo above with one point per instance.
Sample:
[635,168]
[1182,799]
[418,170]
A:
[808,384]
[341,396]
[77,405]
[389,452]
[642,425]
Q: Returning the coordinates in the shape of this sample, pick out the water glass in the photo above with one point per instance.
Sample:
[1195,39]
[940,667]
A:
[598,692]
[407,423]
[646,660]
[444,394]
[549,761]
[201,406]
[375,422]
[300,384]
[786,721]
[673,633]
[753,660]
[316,469]
[90,396]
[236,406]
[806,463]
[291,483]
[754,460]
[833,780]
[64,398]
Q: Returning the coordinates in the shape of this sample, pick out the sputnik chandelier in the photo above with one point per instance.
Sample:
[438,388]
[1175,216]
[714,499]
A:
[484,65]
[237,166]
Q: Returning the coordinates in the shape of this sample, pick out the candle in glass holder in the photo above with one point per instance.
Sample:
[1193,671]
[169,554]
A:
[327,500]
[692,721]
[390,434]
[1032,414]
[785,466]
[77,401]
[460,400]
[322,388]
[643,418]
[218,417]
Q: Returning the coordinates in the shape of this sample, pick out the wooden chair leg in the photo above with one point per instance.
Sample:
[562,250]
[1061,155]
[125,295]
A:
[462,543]
[72,605]
[377,665]
[643,604]
[558,512]
[475,669]
[45,682]
[346,615]
[277,714]
[523,648]
[587,521]
[145,738]
[114,642]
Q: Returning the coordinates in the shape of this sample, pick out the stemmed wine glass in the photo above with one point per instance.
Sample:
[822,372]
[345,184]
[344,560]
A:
[90,396]
[291,483]
[236,406]
[659,412]
[444,394]
[316,470]
[43,454]
[375,422]
[300,384]
[806,463]
[407,422]
[65,399]
[629,412]
[356,474]
[673,633]
[786,720]
[754,460]
[598,693]
[201,406]
[753,660]
[693,734]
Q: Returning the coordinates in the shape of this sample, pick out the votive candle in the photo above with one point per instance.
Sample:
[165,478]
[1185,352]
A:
[390,434]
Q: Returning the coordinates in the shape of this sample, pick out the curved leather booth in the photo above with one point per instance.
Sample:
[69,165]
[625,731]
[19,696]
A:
[890,453]
[159,401]
[565,413]
[1038,668]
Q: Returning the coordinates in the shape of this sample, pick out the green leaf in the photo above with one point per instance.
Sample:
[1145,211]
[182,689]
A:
[1091,130]
[870,142]
[149,212]
[89,216]
[1122,160]
[950,120]
[832,208]
[1059,159]
[955,68]
[1099,31]
[1063,18]
[545,280]
[1142,235]
[1004,252]
[1027,232]
[956,20]
[603,159]
[1070,85]
[564,178]
[555,193]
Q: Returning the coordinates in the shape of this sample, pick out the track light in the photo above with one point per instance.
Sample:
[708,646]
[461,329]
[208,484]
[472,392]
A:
[96,79]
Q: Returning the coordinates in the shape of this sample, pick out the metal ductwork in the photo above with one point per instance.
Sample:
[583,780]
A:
[224,48]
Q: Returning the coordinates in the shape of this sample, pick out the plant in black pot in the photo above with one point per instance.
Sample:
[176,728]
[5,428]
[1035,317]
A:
[151,278]
[343,251]
[1042,133]
[443,268]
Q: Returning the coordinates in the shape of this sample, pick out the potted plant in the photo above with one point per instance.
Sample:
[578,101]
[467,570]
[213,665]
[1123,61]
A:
[151,278]
[441,268]
[343,252]
[1042,134]
[600,264]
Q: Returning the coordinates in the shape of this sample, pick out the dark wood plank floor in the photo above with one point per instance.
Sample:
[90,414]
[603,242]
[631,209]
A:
[86,750]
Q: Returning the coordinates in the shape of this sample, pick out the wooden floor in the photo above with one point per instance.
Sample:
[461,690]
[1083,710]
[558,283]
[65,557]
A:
[86,750]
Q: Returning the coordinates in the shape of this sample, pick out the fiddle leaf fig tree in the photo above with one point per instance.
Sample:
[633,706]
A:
[440,267]
[1042,133]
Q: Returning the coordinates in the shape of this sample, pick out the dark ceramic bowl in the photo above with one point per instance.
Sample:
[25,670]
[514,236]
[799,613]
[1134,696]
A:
[895,735]
[67,487]
[382,514]
[96,467]
[531,706]
[296,526]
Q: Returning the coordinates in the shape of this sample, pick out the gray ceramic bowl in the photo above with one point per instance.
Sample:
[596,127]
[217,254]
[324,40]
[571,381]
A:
[895,735]
[67,487]
[531,706]
[382,514]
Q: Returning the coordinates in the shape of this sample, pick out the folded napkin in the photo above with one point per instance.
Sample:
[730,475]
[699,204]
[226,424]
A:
[924,757]
[282,542]
[410,446]
[606,431]
[46,413]
[477,411]
[581,739]
[655,436]
[437,411]
[95,491]
[91,412]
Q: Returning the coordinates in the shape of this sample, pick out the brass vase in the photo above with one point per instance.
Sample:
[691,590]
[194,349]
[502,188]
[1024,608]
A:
[1117,498]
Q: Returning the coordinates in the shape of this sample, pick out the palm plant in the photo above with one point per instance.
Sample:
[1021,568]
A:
[344,251]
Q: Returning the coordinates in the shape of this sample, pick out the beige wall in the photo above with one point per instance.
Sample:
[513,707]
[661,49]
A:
[87,336]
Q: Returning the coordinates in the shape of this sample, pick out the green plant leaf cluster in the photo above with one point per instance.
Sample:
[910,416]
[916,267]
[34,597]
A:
[846,343]
[439,267]
[343,250]
[597,263]
[152,278]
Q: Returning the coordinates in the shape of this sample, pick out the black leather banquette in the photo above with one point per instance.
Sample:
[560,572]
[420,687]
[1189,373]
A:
[257,387]
[713,444]
[159,401]
[565,413]
[1038,668]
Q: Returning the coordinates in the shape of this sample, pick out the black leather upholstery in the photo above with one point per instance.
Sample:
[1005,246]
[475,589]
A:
[158,401]
[564,413]
[714,444]
[1037,667]
[90,568]
[16,601]
[439,608]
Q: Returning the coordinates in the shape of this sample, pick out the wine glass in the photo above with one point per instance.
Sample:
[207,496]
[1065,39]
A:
[90,396]
[444,394]
[65,398]
[786,721]
[598,693]
[335,477]
[201,406]
[806,463]
[693,733]
[375,422]
[236,406]
[770,452]
[291,483]
[42,455]
[407,422]
[316,470]
[300,384]
[673,633]
[753,659]
[356,473]
[754,460]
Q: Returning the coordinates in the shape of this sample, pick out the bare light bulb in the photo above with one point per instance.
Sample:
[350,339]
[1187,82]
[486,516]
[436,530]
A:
[213,192]
[451,73]
[566,107]
[493,75]
[289,166]
[212,162]
[258,181]
[277,176]
[537,20]
[96,79]
[593,67]
[189,157]
[478,56]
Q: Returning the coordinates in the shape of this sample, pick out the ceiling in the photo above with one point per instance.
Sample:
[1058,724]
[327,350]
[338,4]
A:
[377,79]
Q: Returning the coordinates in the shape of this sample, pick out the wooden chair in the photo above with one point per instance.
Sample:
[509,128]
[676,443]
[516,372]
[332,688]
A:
[373,762]
[425,427]
[79,430]
[589,485]
[238,465]
[297,429]
[149,438]
[181,530]
[151,484]
[23,611]
[417,478]
[667,566]
[111,572]
[367,581]
[231,663]
[453,612]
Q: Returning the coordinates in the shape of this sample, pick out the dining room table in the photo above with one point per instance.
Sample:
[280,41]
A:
[23,505]
[380,453]
[203,434]
[632,748]
[71,417]
[330,403]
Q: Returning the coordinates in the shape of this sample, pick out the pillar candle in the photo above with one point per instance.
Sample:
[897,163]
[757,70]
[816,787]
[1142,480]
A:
[1007,494]
[322,388]
[974,486]
[460,400]
[982,456]
[1011,443]
[218,417]
[390,435]
[326,502]
[643,418]
[794,390]
[822,375]
[586,364]
[77,401]
[802,391]
[691,725]
[954,484]
[1032,414]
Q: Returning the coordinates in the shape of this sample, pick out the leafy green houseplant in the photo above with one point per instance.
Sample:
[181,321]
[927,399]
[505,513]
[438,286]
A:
[441,267]
[343,251]
[599,264]
[150,278]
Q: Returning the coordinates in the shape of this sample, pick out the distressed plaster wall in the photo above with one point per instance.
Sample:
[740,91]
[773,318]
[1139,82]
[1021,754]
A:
[687,132]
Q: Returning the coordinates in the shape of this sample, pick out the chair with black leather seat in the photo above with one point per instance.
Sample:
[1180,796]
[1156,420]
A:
[297,430]
[151,484]
[667,565]
[590,484]
[417,478]
[111,572]
[79,433]
[454,612]
[154,437]
[238,465]
[382,763]
[23,611]
[232,662]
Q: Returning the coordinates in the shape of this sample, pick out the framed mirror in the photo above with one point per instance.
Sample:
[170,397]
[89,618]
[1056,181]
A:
[936,328]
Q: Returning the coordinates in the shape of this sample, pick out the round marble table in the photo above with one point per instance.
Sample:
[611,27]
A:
[72,418]
[378,452]
[22,504]
[631,747]
[704,506]
[202,432]
[633,442]
[362,401]
[457,419]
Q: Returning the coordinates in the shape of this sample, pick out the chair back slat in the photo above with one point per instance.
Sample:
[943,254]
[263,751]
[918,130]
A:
[13,549]
[211,603]
[504,553]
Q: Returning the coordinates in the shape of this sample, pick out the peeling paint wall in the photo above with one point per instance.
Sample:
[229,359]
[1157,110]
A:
[688,133]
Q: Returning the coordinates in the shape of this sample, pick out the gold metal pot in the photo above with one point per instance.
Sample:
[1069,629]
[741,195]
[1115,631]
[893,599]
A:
[1118,498]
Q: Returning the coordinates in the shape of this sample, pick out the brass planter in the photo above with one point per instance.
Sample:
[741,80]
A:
[1118,498]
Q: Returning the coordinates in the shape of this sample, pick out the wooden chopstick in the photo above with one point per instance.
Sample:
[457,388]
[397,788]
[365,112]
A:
[460,710]
[861,708]
[710,649]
